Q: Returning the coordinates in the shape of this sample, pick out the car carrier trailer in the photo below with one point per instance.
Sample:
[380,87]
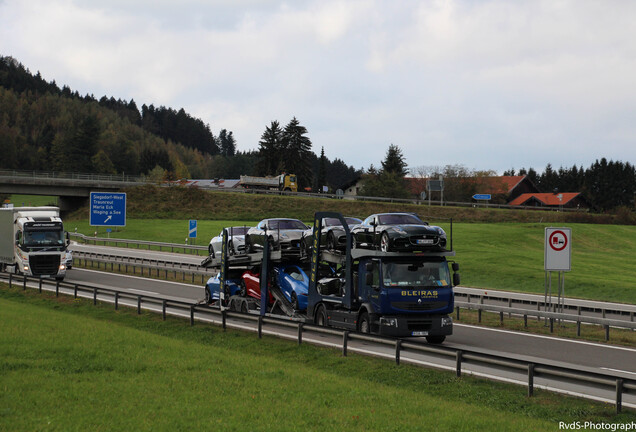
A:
[395,294]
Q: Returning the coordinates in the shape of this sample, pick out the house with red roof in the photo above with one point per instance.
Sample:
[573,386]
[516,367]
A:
[502,188]
[555,199]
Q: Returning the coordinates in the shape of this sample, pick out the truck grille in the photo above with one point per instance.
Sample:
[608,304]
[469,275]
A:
[44,264]
[413,306]
[419,324]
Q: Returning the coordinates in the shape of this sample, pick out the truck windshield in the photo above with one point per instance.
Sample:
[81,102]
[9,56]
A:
[397,274]
[43,238]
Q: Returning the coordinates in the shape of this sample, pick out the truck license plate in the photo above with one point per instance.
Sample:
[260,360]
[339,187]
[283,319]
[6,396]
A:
[419,333]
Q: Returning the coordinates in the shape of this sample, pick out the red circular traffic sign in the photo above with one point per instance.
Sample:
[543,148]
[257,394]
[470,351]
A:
[558,240]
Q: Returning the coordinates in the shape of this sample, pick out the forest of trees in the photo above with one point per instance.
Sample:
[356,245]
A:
[45,128]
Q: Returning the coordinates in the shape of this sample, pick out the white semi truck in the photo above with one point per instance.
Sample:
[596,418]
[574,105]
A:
[33,241]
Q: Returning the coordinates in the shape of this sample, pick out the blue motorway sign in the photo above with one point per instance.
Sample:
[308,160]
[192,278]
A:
[108,209]
[192,230]
[482,196]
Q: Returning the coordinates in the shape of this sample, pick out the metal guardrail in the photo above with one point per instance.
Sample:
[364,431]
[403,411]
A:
[39,175]
[550,317]
[126,264]
[614,382]
[138,243]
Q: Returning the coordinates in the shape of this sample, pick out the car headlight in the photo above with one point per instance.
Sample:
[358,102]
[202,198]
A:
[400,231]
[283,235]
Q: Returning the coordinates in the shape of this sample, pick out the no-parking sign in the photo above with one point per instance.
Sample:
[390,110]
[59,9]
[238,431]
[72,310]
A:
[558,249]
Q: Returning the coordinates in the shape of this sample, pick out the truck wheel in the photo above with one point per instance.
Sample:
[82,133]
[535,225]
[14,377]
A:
[364,325]
[321,317]
[384,242]
[331,242]
[208,297]
[435,339]
[243,292]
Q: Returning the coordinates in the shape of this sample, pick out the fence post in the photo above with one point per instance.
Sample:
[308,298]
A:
[607,327]
[224,318]
[619,395]
[457,313]
[11,283]
[300,333]
[57,288]
[40,284]
[75,291]
[525,320]
[578,328]
[345,339]
[163,309]
[138,305]
[94,296]
[478,315]
[191,315]
[23,282]
[260,326]
[398,347]
[530,379]
[116,300]
[458,363]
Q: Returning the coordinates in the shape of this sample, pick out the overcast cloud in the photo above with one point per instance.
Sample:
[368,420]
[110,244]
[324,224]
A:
[486,84]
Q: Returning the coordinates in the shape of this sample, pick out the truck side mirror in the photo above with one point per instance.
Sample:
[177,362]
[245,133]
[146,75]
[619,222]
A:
[68,238]
[455,267]
[456,279]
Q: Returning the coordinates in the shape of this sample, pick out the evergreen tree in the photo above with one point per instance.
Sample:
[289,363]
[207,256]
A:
[269,150]
[297,152]
[394,161]
[322,171]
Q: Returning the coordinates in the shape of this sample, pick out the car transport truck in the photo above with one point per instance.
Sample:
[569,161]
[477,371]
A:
[283,182]
[396,294]
[33,241]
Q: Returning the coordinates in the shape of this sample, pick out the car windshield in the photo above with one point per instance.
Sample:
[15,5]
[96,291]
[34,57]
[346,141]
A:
[336,222]
[399,219]
[238,230]
[286,224]
[43,238]
[423,274]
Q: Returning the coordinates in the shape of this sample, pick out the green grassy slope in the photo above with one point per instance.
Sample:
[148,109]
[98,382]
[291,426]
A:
[67,365]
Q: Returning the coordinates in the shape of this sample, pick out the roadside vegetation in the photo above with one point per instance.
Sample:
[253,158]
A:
[115,370]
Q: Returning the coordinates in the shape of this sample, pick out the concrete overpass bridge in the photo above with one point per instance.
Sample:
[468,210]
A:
[73,189]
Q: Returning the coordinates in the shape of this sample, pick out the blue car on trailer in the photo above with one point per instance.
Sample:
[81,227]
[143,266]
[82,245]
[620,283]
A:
[294,283]
[212,289]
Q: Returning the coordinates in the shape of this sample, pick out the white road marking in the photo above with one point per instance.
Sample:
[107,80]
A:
[139,277]
[516,333]
[618,370]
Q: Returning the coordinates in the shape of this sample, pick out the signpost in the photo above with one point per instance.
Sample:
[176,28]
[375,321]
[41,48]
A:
[108,209]
[557,257]
[192,230]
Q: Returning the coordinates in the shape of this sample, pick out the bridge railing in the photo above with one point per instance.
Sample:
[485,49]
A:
[40,175]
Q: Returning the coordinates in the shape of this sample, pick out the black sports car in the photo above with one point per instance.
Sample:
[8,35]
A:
[398,232]
[332,235]
[283,234]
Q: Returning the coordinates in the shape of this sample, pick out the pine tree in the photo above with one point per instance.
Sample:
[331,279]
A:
[297,152]
[322,170]
[269,150]
[394,161]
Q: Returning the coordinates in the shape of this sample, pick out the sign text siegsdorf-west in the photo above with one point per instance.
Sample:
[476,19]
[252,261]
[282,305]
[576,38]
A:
[108,209]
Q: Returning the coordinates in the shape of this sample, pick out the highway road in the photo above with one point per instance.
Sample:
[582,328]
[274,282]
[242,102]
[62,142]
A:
[492,341]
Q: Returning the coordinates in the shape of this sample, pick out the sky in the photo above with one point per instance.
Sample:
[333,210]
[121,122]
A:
[489,85]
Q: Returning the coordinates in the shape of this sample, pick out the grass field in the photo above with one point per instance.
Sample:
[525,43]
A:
[32,200]
[67,365]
